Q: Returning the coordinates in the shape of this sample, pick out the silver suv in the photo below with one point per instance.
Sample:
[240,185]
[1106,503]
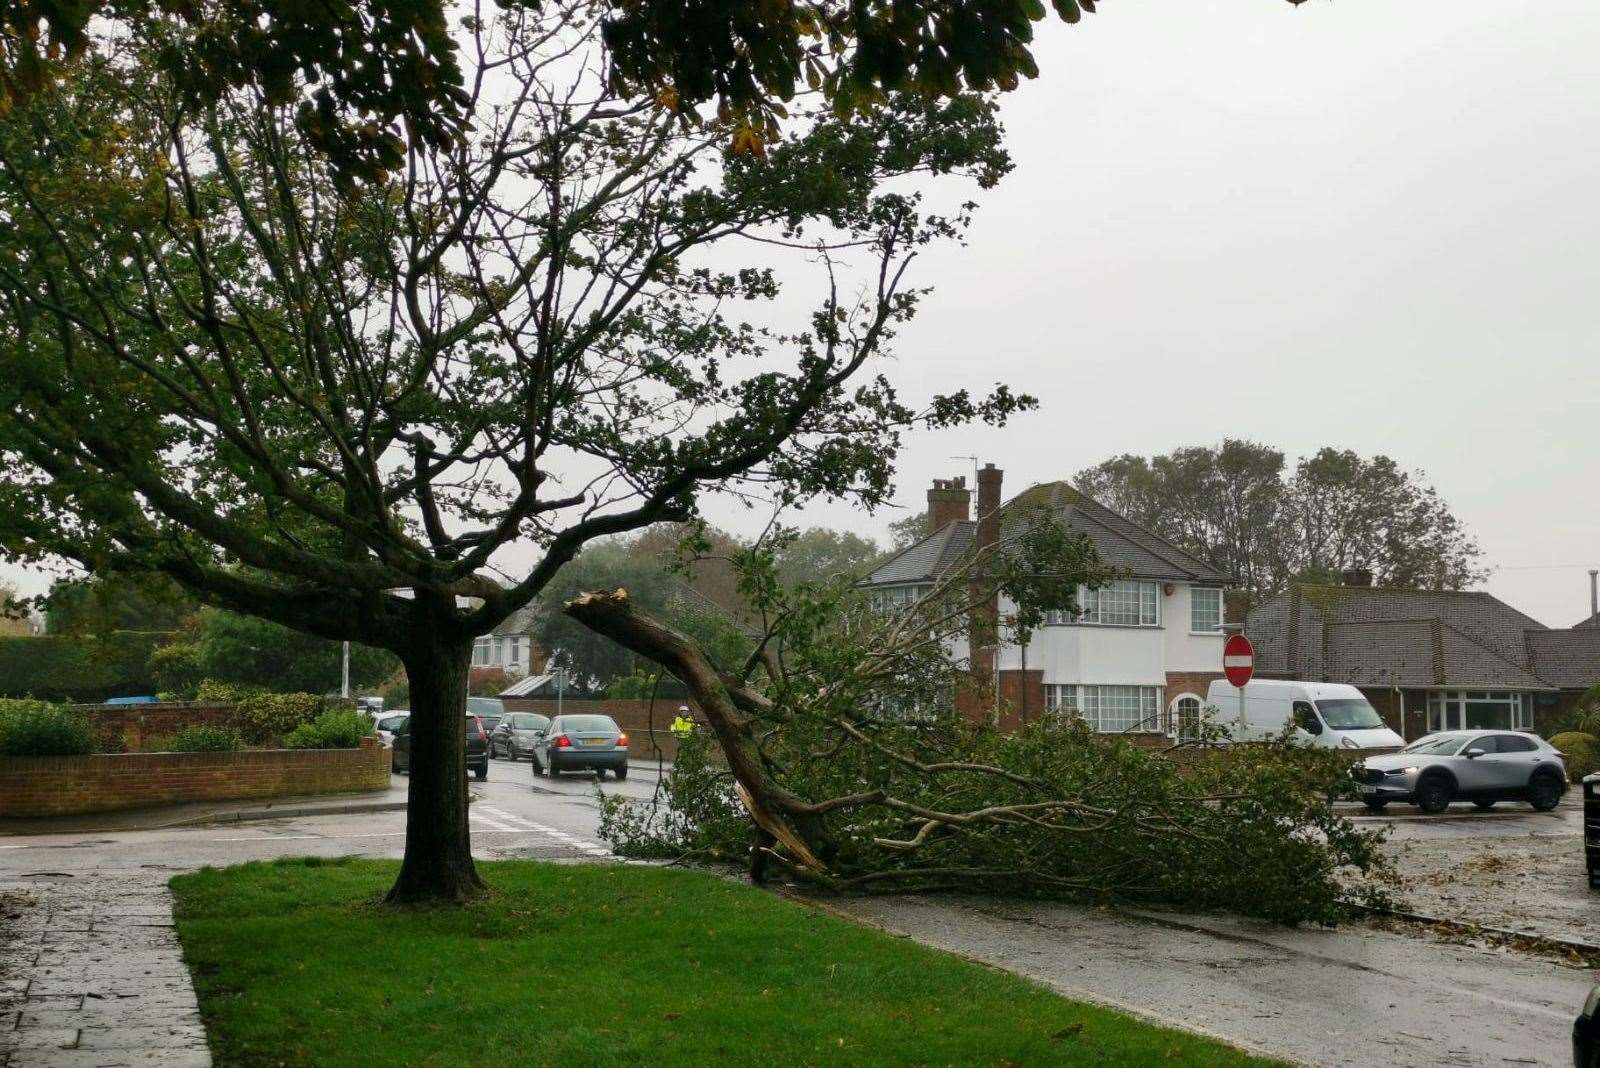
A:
[1478,766]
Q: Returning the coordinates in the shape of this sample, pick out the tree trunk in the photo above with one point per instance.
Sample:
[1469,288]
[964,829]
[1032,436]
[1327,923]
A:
[438,860]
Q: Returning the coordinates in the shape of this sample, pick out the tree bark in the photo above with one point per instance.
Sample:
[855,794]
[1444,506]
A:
[438,859]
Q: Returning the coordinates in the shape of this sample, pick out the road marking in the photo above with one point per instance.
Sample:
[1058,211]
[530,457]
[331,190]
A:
[594,849]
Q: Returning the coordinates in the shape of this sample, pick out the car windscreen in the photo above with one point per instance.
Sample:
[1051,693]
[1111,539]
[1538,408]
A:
[529,721]
[1437,746]
[389,723]
[489,722]
[1349,714]
[486,706]
[589,723]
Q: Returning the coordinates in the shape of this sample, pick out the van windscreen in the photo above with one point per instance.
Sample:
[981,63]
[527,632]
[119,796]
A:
[1349,714]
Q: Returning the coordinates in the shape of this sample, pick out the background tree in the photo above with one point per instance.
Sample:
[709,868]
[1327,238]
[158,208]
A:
[247,651]
[335,410]
[1236,507]
[116,602]
[818,554]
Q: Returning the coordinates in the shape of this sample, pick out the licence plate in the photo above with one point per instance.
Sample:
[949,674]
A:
[594,741]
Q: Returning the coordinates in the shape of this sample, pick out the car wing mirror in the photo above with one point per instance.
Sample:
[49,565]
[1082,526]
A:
[1474,753]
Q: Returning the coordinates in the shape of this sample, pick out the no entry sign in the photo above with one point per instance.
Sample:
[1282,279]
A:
[1238,659]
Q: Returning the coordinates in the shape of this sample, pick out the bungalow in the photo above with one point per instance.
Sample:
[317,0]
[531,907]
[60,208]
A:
[1428,660]
[1138,656]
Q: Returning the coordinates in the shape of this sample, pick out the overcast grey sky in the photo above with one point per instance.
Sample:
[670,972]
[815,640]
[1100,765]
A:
[1357,223]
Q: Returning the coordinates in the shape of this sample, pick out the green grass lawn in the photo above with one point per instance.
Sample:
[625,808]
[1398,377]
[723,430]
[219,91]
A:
[603,964]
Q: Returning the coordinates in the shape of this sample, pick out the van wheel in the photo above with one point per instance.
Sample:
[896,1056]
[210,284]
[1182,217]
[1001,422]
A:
[1375,806]
[1483,806]
[1433,794]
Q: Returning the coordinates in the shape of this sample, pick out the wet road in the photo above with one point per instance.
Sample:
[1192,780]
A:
[1347,997]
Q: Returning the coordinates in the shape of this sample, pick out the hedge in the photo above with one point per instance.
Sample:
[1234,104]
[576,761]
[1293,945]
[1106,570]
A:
[38,728]
[85,670]
[334,729]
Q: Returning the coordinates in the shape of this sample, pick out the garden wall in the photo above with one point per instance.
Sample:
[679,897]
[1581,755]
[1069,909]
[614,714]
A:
[129,727]
[103,782]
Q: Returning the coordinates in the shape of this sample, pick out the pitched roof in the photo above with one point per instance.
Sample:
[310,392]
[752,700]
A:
[1121,543]
[1419,652]
[1591,623]
[1379,636]
[1568,658]
[928,558]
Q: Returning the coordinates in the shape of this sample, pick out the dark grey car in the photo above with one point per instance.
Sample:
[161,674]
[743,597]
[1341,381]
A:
[477,748]
[517,735]
[1478,766]
[582,743]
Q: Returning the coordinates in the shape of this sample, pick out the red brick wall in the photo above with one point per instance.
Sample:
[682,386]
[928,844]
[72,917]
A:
[130,726]
[1021,698]
[633,716]
[55,786]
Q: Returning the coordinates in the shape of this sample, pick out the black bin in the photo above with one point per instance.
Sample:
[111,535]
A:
[1591,827]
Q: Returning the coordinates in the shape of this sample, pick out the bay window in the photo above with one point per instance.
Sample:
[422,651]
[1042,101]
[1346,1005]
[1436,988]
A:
[1108,708]
[895,598]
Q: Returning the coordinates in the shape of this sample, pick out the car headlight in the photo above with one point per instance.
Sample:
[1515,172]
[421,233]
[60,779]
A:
[1348,743]
[1592,1002]
[1401,771]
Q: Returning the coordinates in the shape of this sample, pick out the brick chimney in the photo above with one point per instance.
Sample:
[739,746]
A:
[983,629]
[1356,576]
[949,501]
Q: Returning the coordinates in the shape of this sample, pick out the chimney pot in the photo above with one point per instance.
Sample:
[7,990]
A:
[949,501]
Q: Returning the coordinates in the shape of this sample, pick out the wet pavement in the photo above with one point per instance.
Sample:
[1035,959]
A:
[1347,997]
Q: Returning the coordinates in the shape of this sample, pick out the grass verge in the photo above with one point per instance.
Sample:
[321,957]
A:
[605,964]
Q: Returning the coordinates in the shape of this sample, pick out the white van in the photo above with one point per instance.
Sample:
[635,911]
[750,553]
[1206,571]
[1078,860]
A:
[1327,714]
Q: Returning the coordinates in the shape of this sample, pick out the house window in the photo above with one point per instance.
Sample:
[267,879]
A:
[1124,603]
[480,651]
[895,598]
[516,650]
[1205,609]
[1471,710]
[1108,709]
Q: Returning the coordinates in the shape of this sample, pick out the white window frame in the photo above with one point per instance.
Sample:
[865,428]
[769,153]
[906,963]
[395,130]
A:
[1210,592]
[900,597]
[1447,709]
[1175,716]
[1089,703]
[1093,605]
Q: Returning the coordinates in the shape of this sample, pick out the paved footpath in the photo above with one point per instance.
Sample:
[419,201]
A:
[91,974]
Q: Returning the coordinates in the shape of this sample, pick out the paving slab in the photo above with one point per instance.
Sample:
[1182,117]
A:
[91,973]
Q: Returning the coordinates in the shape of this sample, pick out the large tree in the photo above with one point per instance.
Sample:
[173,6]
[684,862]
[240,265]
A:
[1239,507]
[335,410]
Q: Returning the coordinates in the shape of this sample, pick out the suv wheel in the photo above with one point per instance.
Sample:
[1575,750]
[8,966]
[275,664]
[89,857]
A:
[1433,793]
[1544,792]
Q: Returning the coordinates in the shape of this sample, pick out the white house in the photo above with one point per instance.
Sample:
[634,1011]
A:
[1139,654]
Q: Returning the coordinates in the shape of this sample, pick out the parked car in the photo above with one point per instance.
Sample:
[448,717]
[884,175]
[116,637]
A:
[1328,715]
[477,748]
[582,743]
[489,709]
[1586,1032]
[386,722]
[1478,766]
[517,734]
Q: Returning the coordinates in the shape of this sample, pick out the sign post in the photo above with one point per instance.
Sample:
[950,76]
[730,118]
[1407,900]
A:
[1239,666]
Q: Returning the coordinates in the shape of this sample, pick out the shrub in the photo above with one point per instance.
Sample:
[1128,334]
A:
[175,669]
[205,739]
[260,718]
[333,729]
[1582,751]
[57,668]
[38,728]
